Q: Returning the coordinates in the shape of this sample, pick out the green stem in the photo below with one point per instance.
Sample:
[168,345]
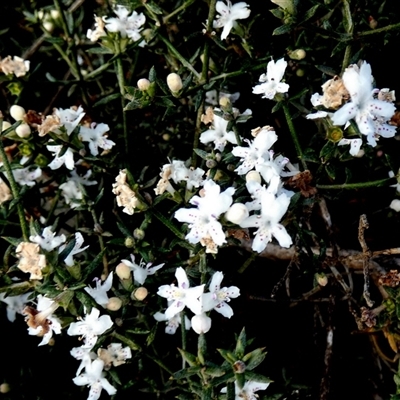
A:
[359,185]
[178,10]
[247,263]
[346,58]
[379,30]
[230,391]
[14,189]
[183,334]
[293,133]
[160,363]
[121,83]
[98,229]
[176,53]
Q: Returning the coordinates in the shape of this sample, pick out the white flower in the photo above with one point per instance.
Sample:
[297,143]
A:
[98,32]
[16,65]
[96,138]
[272,80]
[256,152]
[181,295]
[48,240]
[126,197]
[41,321]
[91,327]
[355,145]
[228,15]
[370,114]
[94,377]
[67,158]
[203,221]
[15,304]
[397,185]
[114,355]
[218,134]
[212,97]
[69,118]
[84,355]
[272,210]
[126,25]
[99,293]
[201,323]
[71,189]
[26,176]
[236,213]
[141,271]
[172,323]
[248,390]
[69,260]
[218,298]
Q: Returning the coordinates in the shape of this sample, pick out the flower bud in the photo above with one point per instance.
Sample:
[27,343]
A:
[201,323]
[23,131]
[123,271]
[211,164]
[129,242]
[5,388]
[237,213]
[48,26]
[174,82]
[297,54]
[114,304]
[139,234]
[17,112]
[321,278]
[143,84]
[225,103]
[334,134]
[239,367]
[253,176]
[139,294]
[395,205]
[55,14]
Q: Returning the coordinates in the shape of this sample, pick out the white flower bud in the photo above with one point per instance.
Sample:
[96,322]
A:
[139,294]
[395,205]
[253,176]
[48,26]
[201,323]
[237,213]
[114,304]
[174,82]
[143,84]
[123,271]
[4,388]
[55,14]
[5,126]
[23,131]
[17,112]
[297,54]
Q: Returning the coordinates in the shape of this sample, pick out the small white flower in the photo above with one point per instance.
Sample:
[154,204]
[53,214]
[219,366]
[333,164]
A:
[371,115]
[395,205]
[96,137]
[15,304]
[181,295]
[41,321]
[218,298]
[248,390]
[99,293]
[203,220]
[172,324]
[69,118]
[91,327]
[59,160]
[127,26]
[114,355]
[272,80]
[69,260]
[94,377]
[98,32]
[16,65]
[48,240]
[218,134]
[141,271]
[26,176]
[355,145]
[228,14]
[84,355]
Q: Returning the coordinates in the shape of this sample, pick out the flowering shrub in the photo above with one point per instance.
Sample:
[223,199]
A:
[178,197]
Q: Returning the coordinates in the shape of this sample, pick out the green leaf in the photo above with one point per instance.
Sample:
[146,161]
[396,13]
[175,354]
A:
[328,150]
[14,241]
[99,50]
[282,30]
[228,355]
[310,13]
[107,99]
[16,289]
[133,105]
[85,300]
[154,7]
[56,40]
[164,101]
[276,107]
[326,70]
[114,376]
[252,376]
[277,12]
[202,154]
[241,344]
[127,341]
[93,265]
[190,358]
[254,359]
[185,373]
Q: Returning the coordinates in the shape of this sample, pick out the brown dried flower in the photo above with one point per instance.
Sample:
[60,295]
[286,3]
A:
[30,260]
